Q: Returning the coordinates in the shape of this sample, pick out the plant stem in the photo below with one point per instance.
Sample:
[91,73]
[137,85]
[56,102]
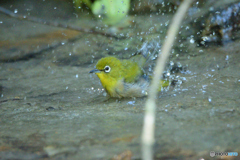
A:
[149,118]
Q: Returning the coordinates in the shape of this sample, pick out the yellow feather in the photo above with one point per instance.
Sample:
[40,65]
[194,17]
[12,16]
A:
[123,78]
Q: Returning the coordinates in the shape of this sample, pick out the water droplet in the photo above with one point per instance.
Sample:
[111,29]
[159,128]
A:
[131,102]
[209,99]
[1,22]
[192,40]
[211,8]
[55,8]
[67,87]
[76,75]
[204,86]
[171,63]
[227,57]
[205,39]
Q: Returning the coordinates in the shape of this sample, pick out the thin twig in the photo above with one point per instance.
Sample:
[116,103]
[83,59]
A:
[55,24]
[149,118]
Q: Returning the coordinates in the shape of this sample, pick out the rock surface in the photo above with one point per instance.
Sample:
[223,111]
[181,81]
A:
[52,108]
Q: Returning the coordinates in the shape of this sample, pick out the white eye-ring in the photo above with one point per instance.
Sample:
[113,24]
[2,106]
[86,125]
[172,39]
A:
[107,69]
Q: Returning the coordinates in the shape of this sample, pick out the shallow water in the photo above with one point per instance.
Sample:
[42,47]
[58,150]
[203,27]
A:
[52,108]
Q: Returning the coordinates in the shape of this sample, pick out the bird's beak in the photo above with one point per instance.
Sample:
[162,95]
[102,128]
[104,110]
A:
[95,71]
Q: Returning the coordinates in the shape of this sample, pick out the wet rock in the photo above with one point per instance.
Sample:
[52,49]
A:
[29,149]
[1,89]
[90,127]
[18,155]
[82,52]
[219,25]
[150,6]
[50,108]
[126,155]
[53,150]
[34,45]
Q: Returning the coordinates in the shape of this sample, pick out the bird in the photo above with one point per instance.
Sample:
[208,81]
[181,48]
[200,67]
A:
[124,78]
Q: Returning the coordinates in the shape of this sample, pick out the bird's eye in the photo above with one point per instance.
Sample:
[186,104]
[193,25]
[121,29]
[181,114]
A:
[107,69]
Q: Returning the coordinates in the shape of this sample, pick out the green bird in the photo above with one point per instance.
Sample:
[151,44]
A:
[124,78]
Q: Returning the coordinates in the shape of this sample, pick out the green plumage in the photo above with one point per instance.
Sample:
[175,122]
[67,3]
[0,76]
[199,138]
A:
[128,70]
[123,78]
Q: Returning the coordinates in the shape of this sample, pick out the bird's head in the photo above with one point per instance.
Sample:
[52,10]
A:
[109,68]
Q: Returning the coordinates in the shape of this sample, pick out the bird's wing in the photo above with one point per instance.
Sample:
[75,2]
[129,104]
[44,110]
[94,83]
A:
[138,89]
